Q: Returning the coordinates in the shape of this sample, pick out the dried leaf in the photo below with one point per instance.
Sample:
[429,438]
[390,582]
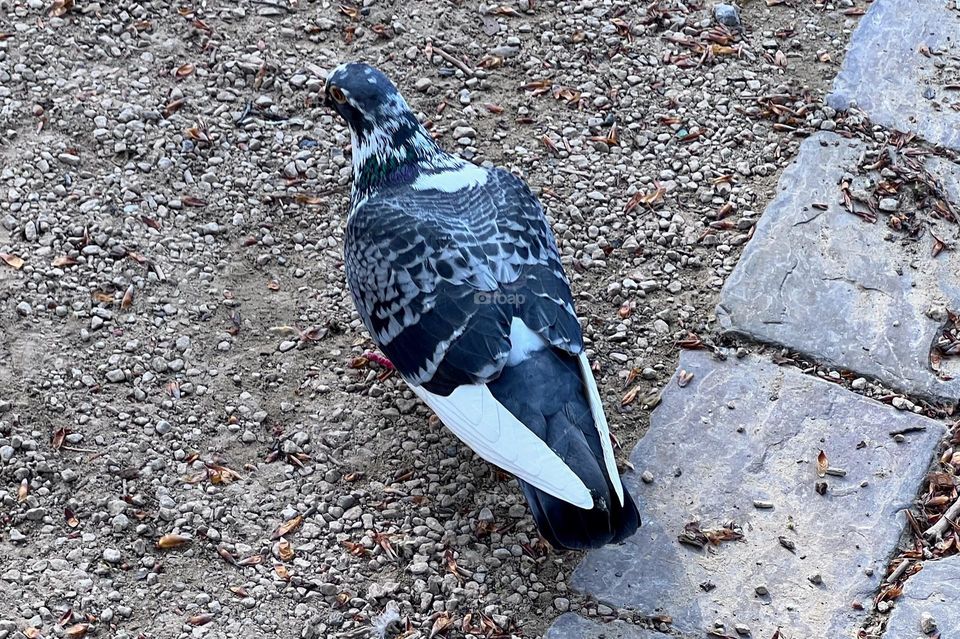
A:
[282,572]
[189,200]
[198,134]
[103,298]
[70,517]
[60,8]
[63,260]
[693,535]
[287,527]
[23,491]
[239,591]
[273,285]
[717,49]
[649,199]
[307,200]
[76,631]
[631,395]
[354,548]
[252,560]
[441,624]
[56,440]
[537,86]
[172,541]
[226,555]
[127,300]
[221,474]
[822,464]
[183,71]
[285,549]
[172,107]
[383,540]
[684,378]
[12,260]
[452,566]
[201,619]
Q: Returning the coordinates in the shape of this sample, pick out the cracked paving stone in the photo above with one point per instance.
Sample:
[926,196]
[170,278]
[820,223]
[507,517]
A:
[841,290]
[901,68]
[933,592]
[746,430]
[573,626]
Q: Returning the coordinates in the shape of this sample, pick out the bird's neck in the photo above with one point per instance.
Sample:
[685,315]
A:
[390,153]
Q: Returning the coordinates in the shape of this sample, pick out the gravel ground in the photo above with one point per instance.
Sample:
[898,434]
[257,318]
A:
[189,444]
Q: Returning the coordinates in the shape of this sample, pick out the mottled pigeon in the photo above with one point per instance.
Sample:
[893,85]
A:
[455,273]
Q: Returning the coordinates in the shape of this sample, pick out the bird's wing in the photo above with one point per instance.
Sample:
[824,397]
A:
[473,414]
[437,276]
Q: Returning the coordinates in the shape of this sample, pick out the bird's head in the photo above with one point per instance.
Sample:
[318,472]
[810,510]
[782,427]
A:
[388,141]
[364,97]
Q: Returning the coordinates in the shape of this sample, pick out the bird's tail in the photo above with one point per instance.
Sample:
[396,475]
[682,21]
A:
[567,526]
[559,413]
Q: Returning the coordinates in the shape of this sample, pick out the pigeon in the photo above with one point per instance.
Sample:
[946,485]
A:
[454,271]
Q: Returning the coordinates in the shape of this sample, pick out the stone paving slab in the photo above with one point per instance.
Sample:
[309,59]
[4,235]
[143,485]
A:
[573,626]
[846,292]
[745,431]
[897,85]
[934,591]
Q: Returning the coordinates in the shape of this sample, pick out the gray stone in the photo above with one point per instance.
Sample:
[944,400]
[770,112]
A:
[743,430]
[930,597]
[573,626]
[111,556]
[727,15]
[885,74]
[824,282]
[69,158]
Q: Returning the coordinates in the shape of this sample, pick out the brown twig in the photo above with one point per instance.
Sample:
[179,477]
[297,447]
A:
[451,59]
[935,531]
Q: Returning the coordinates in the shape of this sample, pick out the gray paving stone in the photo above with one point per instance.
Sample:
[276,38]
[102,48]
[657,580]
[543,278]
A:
[888,77]
[935,591]
[844,291]
[747,430]
[573,626]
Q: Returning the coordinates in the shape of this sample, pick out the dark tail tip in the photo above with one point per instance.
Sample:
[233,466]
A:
[568,527]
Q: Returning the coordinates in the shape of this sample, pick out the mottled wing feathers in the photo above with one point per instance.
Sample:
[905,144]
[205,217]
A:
[438,275]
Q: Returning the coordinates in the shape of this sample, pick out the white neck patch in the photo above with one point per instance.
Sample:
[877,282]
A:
[461,175]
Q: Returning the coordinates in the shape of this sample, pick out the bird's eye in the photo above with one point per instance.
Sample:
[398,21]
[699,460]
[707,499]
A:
[337,94]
